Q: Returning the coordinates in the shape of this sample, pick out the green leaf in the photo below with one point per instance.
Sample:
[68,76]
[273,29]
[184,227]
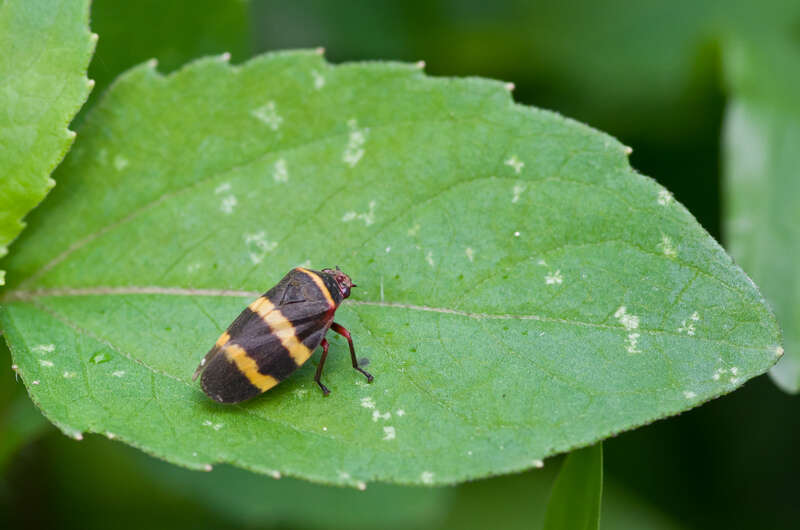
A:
[575,500]
[157,489]
[46,49]
[761,139]
[522,291]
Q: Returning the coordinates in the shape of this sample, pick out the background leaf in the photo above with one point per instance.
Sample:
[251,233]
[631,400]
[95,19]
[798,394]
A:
[46,49]
[762,135]
[508,259]
[20,421]
[577,492]
[181,498]
[172,32]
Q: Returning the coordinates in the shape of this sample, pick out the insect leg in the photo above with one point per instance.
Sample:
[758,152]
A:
[324,388]
[346,334]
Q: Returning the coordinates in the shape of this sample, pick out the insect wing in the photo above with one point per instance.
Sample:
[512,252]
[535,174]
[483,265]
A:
[269,340]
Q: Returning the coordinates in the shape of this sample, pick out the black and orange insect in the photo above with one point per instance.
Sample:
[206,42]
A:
[275,335]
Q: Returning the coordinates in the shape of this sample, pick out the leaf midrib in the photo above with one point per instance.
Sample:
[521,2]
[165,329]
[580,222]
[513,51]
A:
[20,296]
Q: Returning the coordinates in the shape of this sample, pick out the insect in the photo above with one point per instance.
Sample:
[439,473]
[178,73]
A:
[275,335]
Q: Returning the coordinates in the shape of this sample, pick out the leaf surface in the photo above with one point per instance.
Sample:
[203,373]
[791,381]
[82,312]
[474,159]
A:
[46,50]
[521,290]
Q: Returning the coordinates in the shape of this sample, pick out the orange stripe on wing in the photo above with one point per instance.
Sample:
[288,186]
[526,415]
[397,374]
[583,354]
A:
[282,328]
[249,368]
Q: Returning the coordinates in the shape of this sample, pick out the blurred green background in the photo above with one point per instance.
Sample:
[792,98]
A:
[650,74]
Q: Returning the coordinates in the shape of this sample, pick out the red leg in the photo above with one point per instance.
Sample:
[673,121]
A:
[346,334]
[324,388]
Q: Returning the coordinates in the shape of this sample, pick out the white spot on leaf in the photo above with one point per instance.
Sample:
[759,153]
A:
[629,322]
[268,114]
[687,326]
[515,163]
[355,144]
[222,188]
[367,403]
[554,278]
[44,348]
[429,258]
[118,373]
[228,204]
[633,341]
[518,189]
[280,172]
[664,197]
[401,412]
[667,246]
[688,394]
[470,254]
[389,433]
[368,217]
[47,364]
[319,79]
[426,477]
[258,246]
[376,415]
